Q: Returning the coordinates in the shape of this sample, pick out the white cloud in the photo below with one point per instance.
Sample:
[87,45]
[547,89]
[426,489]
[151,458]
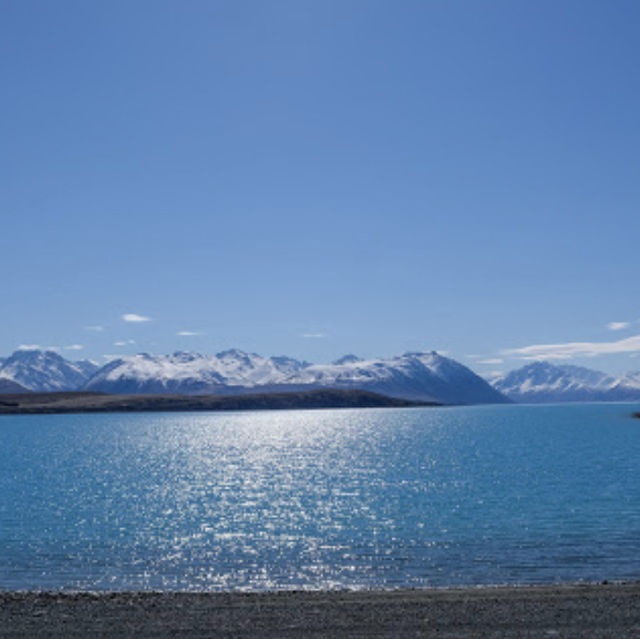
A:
[313,335]
[97,328]
[491,360]
[188,333]
[617,326]
[37,347]
[74,347]
[574,349]
[133,317]
[124,342]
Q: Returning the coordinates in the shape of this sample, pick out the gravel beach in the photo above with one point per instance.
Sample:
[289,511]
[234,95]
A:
[602,610]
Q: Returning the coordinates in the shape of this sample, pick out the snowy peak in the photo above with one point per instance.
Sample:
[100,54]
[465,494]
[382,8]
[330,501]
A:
[546,382]
[145,373]
[544,374]
[184,356]
[288,365]
[39,370]
[347,359]
[631,380]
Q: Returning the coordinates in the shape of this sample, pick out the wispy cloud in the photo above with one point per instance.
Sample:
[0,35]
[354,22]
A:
[313,335]
[38,347]
[134,317]
[123,342]
[617,326]
[29,347]
[574,349]
[188,333]
[491,360]
[96,328]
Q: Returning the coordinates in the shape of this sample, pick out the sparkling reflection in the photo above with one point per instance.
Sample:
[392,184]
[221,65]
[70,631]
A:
[318,499]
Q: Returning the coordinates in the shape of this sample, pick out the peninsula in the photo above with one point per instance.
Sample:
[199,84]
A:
[86,402]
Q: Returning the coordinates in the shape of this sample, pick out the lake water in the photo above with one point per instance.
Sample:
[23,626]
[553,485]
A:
[320,499]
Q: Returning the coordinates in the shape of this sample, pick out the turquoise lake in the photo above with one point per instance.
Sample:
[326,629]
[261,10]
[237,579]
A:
[379,498]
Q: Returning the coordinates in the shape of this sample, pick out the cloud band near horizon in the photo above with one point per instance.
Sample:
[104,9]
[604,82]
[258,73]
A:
[574,349]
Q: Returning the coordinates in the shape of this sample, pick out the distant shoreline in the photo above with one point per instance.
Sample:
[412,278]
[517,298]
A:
[565,610]
[81,402]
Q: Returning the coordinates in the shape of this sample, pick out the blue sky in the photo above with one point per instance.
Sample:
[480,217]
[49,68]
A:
[315,178]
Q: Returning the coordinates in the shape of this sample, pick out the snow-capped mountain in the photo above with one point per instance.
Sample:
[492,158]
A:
[423,376]
[418,376]
[541,382]
[38,370]
[632,379]
[192,373]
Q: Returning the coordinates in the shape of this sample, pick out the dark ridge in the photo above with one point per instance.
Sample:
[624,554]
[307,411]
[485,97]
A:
[9,386]
[80,402]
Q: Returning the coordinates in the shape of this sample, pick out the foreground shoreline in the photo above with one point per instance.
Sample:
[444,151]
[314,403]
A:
[563,610]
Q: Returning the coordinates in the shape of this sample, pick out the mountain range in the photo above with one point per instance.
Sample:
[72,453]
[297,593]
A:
[418,376]
[426,377]
[542,382]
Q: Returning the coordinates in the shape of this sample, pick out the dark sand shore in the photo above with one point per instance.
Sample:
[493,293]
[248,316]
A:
[542,611]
